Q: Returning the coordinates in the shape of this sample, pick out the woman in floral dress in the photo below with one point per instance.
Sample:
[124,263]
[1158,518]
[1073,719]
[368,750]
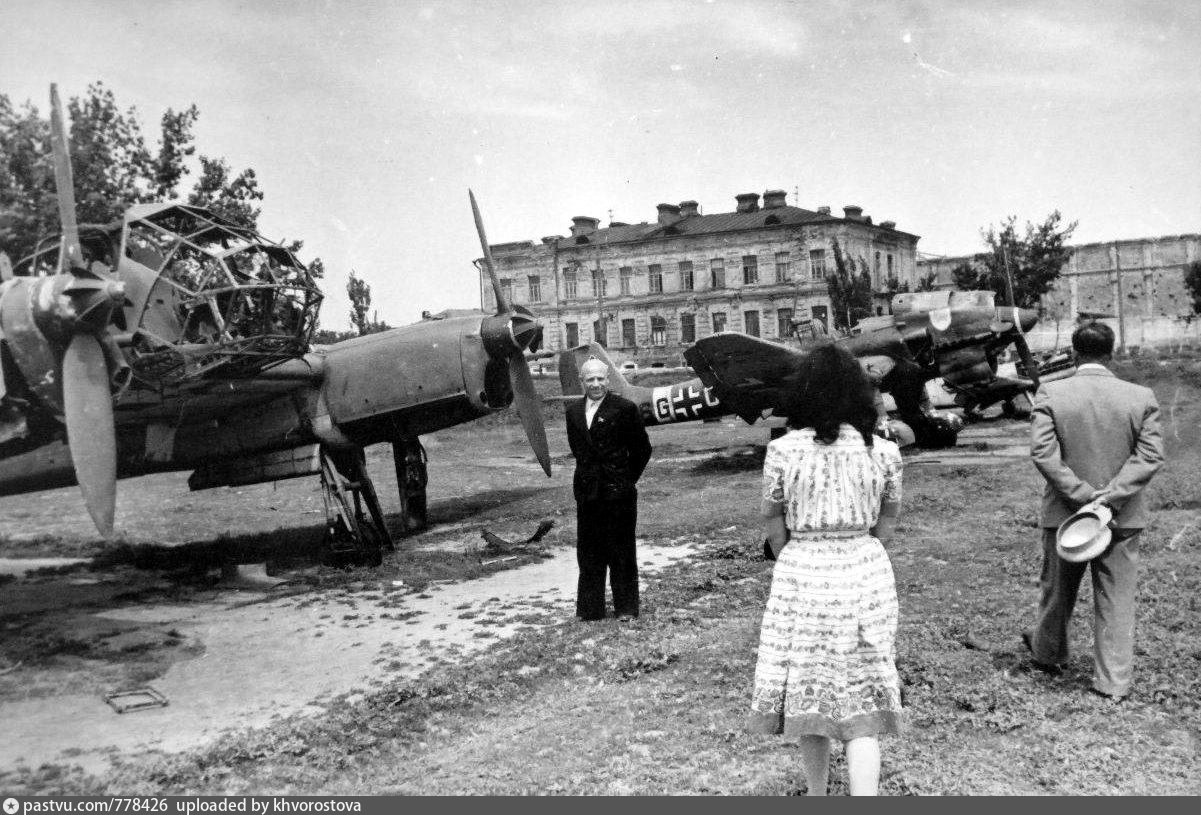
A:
[831,492]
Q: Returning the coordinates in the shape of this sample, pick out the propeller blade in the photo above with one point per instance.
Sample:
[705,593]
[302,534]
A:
[71,257]
[1027,358]
[502,305]
[1023,348]
[91,434]
[529,409]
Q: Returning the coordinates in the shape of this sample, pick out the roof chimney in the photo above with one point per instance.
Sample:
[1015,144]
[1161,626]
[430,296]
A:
[823,210]
[689,209]
[668,213]
[774,198]
[747,202]
[888,224]
[853,212]
[583,225]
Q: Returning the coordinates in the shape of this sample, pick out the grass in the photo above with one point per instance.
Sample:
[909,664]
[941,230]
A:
[657,707]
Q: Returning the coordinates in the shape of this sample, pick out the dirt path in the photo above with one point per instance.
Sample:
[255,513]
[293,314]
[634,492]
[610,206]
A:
[287,655]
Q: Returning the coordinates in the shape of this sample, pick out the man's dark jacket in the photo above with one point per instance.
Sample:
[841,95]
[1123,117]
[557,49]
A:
[611,456]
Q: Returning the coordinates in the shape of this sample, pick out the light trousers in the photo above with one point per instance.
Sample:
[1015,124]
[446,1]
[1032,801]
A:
[1115,577]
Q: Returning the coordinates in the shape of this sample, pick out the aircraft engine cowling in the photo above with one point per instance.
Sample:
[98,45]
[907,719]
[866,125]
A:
[40,315]
[965,365]
[505,335]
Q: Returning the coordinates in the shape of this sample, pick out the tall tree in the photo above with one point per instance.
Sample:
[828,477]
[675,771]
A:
[850,289]
[113,168]
[359,292]
[965,276]
[1033,263]
[231,197]
[175,145]
[111,164]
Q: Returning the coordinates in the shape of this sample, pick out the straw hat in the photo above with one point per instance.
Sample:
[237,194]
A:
[1085,534]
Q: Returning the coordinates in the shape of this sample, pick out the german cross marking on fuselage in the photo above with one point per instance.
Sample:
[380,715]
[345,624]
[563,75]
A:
[680,403]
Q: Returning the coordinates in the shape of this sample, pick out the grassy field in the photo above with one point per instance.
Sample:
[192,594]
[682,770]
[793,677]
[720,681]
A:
[657,707]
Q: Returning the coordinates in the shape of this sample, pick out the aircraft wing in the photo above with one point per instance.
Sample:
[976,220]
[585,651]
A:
[746,373]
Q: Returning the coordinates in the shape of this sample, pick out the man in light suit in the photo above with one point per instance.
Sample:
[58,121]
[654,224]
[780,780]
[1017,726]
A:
[1093,437]
[611,450]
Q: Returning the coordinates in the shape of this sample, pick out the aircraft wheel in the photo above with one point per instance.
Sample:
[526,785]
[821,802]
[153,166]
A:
[935,434]
[1019,407]
[337,549]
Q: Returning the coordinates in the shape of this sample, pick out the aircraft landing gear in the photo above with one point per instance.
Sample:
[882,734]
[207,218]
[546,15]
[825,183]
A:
[934,432]
[355,532]
[1019,407]
[411,479]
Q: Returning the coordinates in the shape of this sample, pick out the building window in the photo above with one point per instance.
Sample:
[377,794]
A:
[719,321]
[877,275]
[821,314]
[628,334]
[784,322]
[890,272]
[570,285]
[506,288]
[655,276]
[535,288]
[658,331]
[717,273]
[600,333]
[573,334]
[817,263]
[750,269]
[686,283]
[598,283]
[783,272]
[750,323]
[626,274]
[687,328]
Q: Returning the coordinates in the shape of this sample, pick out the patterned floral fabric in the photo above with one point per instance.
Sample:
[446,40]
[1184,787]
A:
[837,486]
[826,661]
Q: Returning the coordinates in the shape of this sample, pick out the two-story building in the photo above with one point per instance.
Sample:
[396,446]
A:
[646,291]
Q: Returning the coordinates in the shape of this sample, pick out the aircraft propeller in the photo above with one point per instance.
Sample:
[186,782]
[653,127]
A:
[87,372]
[520,331]
[1023,348]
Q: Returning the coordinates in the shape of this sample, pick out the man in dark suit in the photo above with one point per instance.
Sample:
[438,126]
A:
[1093,437]
[611,450]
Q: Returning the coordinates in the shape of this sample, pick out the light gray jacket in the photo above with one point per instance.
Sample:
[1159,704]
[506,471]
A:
[1093,432]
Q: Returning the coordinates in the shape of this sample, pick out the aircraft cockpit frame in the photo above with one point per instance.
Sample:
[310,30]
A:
[222,297]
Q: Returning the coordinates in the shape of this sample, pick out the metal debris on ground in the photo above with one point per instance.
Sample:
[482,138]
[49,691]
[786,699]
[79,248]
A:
[138,699]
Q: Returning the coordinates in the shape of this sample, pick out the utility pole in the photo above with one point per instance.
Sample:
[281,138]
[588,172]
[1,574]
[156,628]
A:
[1116,258]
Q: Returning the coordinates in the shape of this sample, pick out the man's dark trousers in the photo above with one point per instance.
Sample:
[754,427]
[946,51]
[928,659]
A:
[605,541]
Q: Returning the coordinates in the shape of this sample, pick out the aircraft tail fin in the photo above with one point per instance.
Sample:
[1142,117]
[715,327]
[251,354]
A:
[569,369]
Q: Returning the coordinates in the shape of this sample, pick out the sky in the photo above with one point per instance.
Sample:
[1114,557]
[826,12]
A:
[367,121]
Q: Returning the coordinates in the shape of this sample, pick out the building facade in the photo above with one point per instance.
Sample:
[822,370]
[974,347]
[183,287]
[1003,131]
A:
[1135,285]
[647,291]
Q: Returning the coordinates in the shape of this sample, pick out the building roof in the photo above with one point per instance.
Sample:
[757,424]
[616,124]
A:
[711,224]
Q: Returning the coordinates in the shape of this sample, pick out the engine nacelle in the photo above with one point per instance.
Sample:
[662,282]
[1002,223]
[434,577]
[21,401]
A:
[413,380]
[36,345]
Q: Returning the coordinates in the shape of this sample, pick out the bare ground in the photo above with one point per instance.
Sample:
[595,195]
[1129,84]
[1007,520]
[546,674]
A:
[439,674]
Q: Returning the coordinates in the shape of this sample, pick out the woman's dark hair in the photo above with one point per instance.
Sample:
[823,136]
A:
[832,388]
